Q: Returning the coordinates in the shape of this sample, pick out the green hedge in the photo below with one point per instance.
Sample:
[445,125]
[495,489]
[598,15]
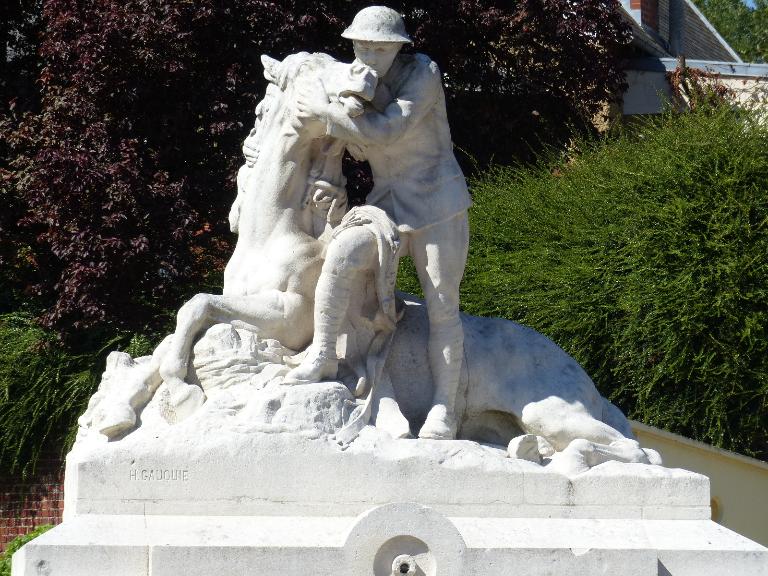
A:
[43,389]
[646,257]
[45,385]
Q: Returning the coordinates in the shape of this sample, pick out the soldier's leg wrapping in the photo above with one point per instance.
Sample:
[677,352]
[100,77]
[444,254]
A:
[439,253]
[351,252]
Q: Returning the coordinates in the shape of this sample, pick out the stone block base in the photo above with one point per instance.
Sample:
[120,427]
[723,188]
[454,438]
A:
[388,540]
[231,503]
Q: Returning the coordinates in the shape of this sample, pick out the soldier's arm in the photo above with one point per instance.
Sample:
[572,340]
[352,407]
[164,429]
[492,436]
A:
[415,100]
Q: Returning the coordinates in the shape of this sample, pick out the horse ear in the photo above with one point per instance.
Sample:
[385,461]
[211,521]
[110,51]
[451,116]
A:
[271,67]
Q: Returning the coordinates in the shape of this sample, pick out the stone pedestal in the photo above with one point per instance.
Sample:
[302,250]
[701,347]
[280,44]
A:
[293,504]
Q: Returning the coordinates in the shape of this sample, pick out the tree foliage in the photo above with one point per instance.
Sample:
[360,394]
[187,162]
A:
[118,176]
[19,30]
[744,27]
[19,67]
[645,258]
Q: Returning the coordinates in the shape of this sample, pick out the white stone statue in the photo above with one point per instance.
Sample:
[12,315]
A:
[404,135]
[309,293]
[270,280]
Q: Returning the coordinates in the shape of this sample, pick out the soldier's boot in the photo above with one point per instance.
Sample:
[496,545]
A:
[446,353]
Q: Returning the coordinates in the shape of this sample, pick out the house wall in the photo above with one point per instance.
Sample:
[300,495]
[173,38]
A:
[750,93]
[648,88]
[650,13]
[646,92]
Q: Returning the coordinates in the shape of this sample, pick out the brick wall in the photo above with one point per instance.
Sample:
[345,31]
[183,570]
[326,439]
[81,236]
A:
[649,11]
[39,500]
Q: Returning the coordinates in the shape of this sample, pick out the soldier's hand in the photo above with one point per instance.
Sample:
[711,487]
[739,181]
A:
[312,107]
[357,219]
[250,151]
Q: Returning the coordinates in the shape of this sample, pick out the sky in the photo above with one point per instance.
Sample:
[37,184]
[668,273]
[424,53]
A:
[749,3]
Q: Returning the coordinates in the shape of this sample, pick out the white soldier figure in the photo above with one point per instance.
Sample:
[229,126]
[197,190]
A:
[404,135]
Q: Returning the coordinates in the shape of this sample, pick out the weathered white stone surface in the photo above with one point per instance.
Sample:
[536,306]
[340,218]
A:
[242,377]
[237,467]
[304,270]
[146,545]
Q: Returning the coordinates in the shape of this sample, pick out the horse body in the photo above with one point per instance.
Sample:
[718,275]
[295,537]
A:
[275,249]
[515,381]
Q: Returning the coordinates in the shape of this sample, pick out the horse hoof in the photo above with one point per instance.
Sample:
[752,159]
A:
[568,463]
[653,457]
[114,420]
[173,369]
[525,447]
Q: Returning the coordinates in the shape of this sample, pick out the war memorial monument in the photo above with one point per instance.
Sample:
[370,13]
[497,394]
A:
[311,420]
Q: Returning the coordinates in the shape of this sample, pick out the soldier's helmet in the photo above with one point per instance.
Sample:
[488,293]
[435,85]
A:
[377,24]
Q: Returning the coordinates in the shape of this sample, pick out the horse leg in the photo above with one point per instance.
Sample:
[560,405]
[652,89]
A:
[581,439]
[192,318]
[561,422]
[623,450]
[272,313]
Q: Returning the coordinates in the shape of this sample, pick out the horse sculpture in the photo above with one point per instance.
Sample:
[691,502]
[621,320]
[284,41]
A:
[515,383]
[270,280]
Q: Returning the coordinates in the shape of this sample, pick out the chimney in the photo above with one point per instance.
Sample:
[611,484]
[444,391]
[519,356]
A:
[649,11]
[645,12]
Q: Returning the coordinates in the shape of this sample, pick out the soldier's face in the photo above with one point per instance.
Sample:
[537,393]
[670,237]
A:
[378,55]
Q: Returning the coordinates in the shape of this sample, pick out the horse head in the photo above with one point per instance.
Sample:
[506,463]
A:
[283,161]
[291,187]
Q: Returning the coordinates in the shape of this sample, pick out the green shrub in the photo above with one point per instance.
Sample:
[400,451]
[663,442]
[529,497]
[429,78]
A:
[646,258]
[42,389]
[15,544]
[44,386]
